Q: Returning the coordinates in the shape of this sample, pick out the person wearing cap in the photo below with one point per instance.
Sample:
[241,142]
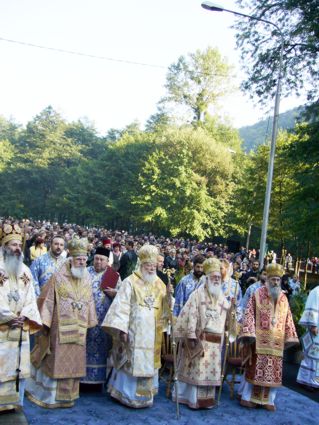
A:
[107,244]
[200,327]
[135,320]
[19,317]
[267,329]
[67,310]
[98,342]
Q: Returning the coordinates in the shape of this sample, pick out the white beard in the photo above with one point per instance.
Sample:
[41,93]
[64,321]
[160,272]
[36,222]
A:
[275,292]
[78,272]
[149,277]
[214,290]
[13,264]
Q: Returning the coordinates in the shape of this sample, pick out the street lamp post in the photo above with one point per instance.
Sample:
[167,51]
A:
[216,8]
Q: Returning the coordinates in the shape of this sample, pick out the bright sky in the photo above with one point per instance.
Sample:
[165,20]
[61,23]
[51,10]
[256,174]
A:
[110,94]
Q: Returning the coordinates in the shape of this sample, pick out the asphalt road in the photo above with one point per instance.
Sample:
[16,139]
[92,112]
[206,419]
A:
[295,406]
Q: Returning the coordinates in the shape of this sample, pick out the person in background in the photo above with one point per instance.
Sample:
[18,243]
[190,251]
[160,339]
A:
[286,289]
[128,261]
[107,244]
[98,342]
[117,254]
[188,284]
[44,266]
[294,284]
[38,248]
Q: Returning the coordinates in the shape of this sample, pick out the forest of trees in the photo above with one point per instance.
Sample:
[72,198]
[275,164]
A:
[186,173]
[191,180]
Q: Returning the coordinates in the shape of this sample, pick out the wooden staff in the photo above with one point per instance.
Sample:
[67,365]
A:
[233,308]
[232,333]
[169,272]
[306,277]
[18,370]
[224,367]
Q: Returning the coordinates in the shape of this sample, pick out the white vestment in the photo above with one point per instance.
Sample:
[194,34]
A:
[138,310]
[17,299]
[309,368]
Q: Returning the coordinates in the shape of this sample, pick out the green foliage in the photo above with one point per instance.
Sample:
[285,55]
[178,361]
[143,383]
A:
[172,180]
[197,82]
[303,154]
[297,306]
[248,201]
[182,184]
[6,154]
[158,121]
[260,46]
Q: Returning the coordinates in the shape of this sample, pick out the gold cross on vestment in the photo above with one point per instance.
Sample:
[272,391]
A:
[25,279]
[3,279]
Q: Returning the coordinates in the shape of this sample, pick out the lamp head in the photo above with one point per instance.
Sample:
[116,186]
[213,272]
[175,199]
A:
[213,7]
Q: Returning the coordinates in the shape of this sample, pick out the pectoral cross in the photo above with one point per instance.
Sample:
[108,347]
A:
[212,313]
[76,305]
[149,301]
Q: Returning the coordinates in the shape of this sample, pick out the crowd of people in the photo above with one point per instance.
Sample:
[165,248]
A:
[93,305]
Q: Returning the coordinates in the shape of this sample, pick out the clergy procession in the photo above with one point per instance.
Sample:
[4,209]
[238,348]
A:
[74,320]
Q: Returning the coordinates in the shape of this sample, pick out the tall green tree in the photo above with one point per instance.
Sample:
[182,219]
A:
[249,195]
[197,82]
[183,186]
[246,208]
[43,154]
[303,204]
[260,46]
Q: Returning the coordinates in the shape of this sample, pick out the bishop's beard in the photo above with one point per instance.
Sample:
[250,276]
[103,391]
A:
[149,277]
[78,272]
[213,289]
[275,292]
[13,263]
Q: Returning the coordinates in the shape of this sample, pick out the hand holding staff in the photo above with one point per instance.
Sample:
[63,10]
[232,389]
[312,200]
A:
[173,341]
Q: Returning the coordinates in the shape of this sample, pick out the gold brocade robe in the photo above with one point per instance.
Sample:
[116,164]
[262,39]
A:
[202,318]
[17,298]
[272,329]
[140,310]
[67,307]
